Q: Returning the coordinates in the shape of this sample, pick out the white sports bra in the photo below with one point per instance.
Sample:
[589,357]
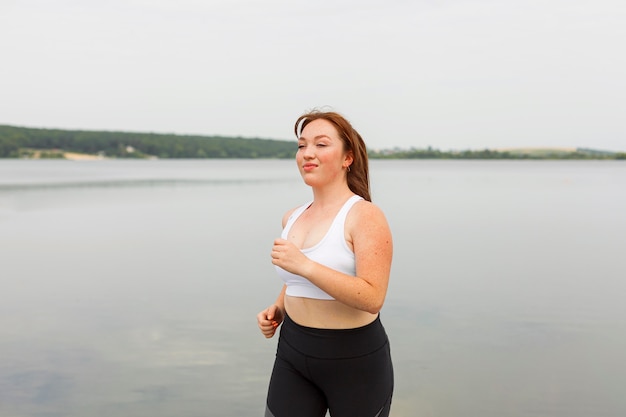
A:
[332,251]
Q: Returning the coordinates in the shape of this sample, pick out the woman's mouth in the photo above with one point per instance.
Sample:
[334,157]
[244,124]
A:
[308,167]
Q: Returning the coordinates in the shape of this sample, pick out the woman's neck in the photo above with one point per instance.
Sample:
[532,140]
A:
[331,196]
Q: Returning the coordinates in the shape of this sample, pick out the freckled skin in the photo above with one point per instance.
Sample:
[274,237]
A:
[322,162]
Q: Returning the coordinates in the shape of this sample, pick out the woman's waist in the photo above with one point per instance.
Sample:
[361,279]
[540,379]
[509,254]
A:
[324,343]
[326,314]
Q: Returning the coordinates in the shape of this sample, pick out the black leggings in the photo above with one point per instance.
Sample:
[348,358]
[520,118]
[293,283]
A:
[347,372]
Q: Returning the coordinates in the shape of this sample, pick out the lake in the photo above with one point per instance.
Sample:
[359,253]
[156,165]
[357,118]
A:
[130,287]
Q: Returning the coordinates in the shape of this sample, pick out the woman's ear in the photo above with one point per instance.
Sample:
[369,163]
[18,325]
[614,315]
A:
[349,158]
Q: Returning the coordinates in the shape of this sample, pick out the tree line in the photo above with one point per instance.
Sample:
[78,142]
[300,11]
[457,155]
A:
[17,142]
[23,142]
[430,153]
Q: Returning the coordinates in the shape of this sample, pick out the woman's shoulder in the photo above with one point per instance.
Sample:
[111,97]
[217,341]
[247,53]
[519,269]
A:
[291,211]
[365,207]
[364,212]
[287,215]
[366,225]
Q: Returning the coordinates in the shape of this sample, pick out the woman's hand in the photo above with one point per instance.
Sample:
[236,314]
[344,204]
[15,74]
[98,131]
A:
[287,256]
[269,320]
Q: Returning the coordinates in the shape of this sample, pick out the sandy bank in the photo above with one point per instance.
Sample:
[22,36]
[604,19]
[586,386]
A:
[81,156]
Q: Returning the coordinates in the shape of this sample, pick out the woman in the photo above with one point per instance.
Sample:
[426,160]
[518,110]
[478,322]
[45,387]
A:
[335,258]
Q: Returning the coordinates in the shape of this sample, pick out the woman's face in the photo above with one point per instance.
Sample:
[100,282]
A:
[321,157]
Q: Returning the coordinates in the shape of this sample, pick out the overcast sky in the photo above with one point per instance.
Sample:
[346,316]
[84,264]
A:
[450,74]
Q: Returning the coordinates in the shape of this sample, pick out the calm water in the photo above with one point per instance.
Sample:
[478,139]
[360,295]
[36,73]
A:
[130,288]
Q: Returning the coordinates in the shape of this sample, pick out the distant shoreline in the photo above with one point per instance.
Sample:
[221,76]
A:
[33,143]
[561,153]
[72,156]
[474,155]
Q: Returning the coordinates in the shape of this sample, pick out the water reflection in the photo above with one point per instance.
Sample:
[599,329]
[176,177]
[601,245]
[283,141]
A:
[131,288]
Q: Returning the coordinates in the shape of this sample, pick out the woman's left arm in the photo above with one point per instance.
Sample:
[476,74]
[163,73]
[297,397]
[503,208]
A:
[373,250]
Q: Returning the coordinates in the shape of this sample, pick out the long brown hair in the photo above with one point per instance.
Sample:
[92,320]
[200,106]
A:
[358,174]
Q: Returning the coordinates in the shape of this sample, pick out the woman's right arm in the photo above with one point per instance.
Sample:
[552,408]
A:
[270,318]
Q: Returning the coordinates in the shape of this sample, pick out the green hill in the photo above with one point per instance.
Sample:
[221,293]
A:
[16,142]
[510,153]
[23,142]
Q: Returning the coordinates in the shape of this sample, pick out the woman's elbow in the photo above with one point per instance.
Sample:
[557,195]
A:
[373,310]
[374,306]
[372,300]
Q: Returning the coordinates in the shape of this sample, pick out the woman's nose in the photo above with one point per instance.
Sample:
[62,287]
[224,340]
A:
[309,151]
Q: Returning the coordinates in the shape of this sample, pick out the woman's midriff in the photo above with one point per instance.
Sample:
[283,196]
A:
[325,314]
